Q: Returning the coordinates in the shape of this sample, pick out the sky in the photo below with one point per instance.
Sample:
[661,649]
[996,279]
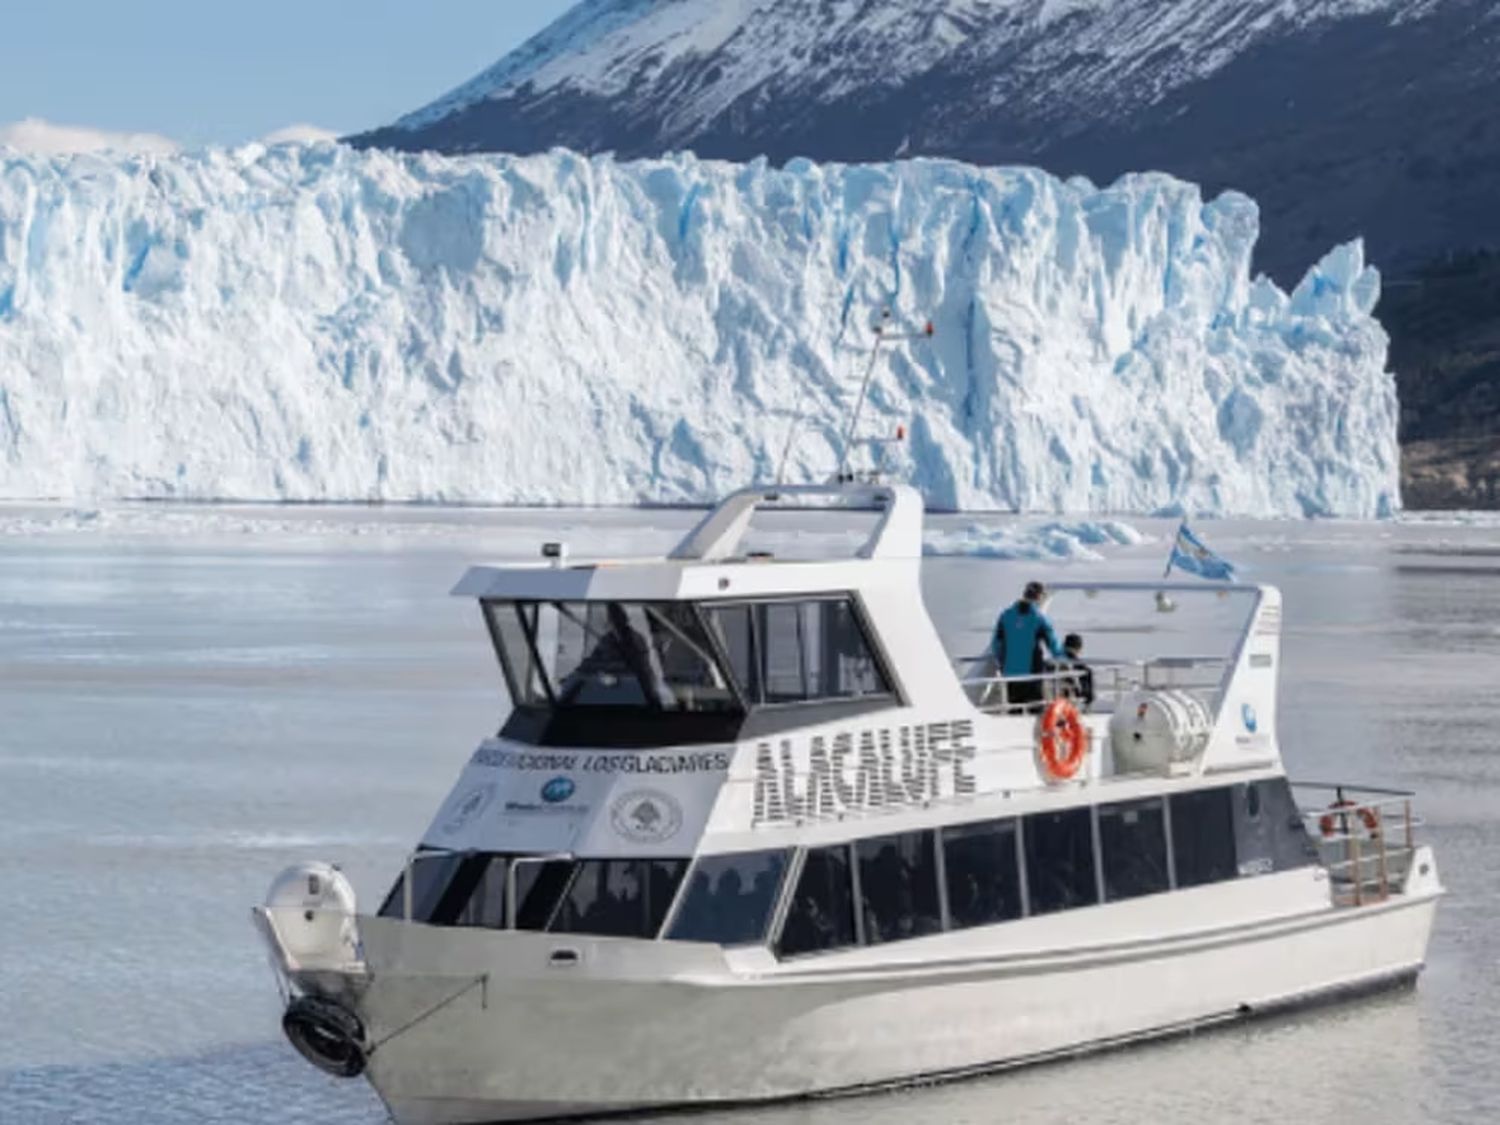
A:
[201,72]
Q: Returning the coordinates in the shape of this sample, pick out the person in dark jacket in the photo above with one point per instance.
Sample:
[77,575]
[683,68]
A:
[1023,638]
[1080,681]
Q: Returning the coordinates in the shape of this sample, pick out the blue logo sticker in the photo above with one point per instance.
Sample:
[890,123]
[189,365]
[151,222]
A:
[558,790]
[1252,722]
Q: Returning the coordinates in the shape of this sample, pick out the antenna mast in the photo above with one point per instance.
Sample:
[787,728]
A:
[881,337]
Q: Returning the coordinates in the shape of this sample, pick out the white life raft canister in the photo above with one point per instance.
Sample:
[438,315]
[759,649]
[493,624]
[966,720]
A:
[312,909]
[1153,731]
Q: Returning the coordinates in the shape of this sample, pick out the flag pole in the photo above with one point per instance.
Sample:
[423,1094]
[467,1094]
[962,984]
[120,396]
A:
[1164,603]
[1172,551]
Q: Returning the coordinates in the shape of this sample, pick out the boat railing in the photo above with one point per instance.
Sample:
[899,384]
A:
[1367,839]
[408,877]
[1113,681]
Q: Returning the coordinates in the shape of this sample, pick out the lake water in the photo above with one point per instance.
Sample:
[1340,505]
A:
[192,699]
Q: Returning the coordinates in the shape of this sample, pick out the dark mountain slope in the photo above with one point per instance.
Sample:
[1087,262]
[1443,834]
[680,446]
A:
[1343,118]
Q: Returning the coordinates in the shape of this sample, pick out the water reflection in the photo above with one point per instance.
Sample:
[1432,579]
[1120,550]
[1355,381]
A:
[1362,1060]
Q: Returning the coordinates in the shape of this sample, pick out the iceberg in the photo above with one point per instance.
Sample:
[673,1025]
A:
[314,323]
[1074,541]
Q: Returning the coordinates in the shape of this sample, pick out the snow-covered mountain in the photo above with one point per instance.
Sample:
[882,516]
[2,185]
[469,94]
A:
[1342,117]
[1050,56]
[320,323]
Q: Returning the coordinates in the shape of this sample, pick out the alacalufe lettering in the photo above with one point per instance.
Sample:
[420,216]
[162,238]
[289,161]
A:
[875,769]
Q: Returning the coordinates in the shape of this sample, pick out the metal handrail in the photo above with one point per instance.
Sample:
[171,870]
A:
[1354,825]
[513,865]
[1052,680]
[1113,680]
[421,855]
[1338,786]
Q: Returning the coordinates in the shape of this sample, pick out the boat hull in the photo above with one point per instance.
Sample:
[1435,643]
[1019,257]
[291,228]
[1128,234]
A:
[524,1038]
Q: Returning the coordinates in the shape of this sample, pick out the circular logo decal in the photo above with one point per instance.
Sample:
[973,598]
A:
[1252,721]
[558,790]
[470,805]
[646,816]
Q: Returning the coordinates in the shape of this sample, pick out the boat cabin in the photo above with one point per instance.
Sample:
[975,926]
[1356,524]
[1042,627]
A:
[782,756]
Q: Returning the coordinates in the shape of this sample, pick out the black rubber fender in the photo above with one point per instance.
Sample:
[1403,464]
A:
[326,1034]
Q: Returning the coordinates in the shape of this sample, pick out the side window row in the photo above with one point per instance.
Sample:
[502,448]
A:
[605,897]
[881,889]
[887,889]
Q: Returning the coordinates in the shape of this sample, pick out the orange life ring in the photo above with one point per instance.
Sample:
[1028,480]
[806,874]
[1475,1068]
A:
[1063,740]
[1328,823]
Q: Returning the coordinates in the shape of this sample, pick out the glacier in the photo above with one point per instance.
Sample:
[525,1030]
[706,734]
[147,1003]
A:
[315,323]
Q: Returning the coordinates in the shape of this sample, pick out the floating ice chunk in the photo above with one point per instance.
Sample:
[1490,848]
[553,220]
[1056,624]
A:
[1065,541]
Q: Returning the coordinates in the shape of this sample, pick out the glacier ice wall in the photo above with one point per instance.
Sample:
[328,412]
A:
[315,323]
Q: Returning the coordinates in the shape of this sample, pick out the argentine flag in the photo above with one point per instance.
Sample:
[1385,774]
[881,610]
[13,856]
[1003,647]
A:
[1189,554]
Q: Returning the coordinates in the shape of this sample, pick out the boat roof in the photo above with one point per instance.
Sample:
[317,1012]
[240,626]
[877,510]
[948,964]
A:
[710,562]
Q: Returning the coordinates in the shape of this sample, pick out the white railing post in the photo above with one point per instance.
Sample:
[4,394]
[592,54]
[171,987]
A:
[1385,884]
[1356,866]
[406,895]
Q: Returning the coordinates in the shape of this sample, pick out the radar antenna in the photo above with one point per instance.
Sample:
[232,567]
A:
[883,336]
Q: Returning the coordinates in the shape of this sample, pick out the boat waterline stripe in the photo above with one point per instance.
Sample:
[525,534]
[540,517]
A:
[1082,957]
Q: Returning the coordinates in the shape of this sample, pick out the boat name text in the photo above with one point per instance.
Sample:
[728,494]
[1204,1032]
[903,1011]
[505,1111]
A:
[873,769]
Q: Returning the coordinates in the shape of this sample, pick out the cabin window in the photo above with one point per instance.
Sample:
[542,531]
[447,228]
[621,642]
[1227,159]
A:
[431,873]
[821,915]
[618,897]
[510,625]
[786,652]
[616,655]
[898,881]
[790,670]
[479,890]
[1203,837]
[729,898]
[539,886]
[1269,832]
[983,875]
[1060,860]
[733,628]
[469,889]
[1133,842]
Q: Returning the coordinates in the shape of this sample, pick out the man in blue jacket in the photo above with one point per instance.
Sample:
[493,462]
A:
[1023,637]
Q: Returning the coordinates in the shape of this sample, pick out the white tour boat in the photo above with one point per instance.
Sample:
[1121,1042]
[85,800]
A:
[747,835]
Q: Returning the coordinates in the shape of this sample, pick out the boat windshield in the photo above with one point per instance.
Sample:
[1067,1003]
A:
[634,655]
